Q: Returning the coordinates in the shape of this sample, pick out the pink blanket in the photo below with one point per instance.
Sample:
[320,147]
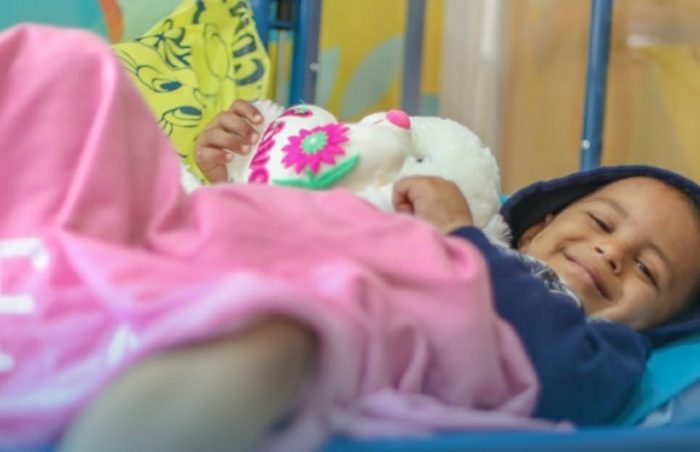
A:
[104,260]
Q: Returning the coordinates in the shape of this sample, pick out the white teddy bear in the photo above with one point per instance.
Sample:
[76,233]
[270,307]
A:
[306,147]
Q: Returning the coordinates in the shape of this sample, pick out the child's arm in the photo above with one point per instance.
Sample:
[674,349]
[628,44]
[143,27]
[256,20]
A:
[587,369]
[231,132]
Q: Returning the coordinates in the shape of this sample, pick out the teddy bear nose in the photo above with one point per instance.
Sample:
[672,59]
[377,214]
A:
[399,118]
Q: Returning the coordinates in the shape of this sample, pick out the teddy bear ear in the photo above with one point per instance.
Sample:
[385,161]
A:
[397,118]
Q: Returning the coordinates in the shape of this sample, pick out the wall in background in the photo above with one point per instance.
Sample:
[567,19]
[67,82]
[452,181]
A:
[471,81]
[77,13]
[361,56]
[654,85]
[114,19]
[512,71]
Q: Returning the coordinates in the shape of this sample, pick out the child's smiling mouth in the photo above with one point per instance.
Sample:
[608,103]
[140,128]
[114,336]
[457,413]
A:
[588,275]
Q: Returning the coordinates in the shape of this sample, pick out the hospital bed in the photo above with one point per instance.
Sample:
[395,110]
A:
[674,370]
[669,373]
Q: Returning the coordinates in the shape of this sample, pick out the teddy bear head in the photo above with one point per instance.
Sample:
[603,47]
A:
[307,147]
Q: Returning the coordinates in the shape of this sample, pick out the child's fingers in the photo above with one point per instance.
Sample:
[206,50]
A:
[216,174]
[209,157]
[212,163]
[219,138]
[247,110]
[436,200]
[401,198]
[236,125]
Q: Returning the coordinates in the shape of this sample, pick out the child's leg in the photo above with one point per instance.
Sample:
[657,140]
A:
[82,156]
[220,395]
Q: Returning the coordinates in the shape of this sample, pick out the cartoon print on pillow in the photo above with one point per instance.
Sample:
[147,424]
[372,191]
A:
[192,64]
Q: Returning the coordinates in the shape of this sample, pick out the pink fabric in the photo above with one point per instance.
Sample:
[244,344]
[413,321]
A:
[115,263]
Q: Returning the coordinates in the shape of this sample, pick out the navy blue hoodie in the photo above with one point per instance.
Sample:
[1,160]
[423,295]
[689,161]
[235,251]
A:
[587,369]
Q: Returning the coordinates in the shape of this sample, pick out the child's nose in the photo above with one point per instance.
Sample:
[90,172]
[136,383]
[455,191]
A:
[611,255]
[399,118]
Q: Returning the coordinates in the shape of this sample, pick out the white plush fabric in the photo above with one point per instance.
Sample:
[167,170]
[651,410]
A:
[387,152]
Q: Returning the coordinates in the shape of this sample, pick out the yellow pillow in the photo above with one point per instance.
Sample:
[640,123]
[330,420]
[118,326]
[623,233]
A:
[194,63]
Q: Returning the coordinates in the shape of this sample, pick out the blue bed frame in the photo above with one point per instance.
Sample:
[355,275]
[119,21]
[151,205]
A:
[596,83]
[305,26]
[671,439]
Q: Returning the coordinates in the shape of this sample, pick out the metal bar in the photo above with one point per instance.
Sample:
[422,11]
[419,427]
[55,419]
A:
[261,14]
[596,83]
[281,88]
[305,52]
[281,24]
[413,57]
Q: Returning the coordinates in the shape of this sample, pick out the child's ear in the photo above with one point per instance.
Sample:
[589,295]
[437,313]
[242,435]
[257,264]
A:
[529,235]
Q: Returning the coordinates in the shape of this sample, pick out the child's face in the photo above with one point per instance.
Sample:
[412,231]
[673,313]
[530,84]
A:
[630,250]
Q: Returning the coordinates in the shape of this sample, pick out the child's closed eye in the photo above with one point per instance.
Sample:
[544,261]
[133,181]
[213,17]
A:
[600,223]
[646,271]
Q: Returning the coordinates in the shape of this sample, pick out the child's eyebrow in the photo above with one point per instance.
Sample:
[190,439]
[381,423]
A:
[615,206]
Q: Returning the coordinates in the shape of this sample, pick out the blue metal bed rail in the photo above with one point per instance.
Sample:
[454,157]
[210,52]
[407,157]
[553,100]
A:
[413,57]
[596,83]
[596,77]
[305,23]
[303,19]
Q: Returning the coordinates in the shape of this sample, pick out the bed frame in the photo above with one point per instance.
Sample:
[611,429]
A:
[303,17]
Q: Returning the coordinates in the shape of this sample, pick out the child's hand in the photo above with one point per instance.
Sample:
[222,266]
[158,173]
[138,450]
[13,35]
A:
[436,200]
[231,132]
